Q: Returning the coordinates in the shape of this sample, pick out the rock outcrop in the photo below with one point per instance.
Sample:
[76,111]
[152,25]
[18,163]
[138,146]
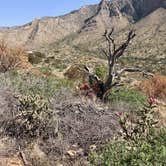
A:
[119,13]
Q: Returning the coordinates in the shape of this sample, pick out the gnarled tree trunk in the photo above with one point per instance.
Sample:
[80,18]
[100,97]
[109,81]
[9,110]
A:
[112,53]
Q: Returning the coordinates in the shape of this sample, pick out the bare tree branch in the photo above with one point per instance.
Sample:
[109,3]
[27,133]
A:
[113,54]
[104,52]
[132,70]
[119,51]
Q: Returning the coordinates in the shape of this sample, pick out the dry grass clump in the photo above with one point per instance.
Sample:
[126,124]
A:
[155,86]
[11,58]
[85,123]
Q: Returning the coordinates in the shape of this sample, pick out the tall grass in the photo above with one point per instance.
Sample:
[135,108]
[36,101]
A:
[36,84]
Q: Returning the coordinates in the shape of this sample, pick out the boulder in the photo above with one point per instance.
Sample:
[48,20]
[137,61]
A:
[35,57]
[75,72]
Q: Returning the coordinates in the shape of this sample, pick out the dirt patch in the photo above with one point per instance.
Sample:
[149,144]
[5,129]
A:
[13,161]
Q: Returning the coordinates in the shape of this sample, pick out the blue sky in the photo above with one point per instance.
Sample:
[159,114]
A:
[18,12]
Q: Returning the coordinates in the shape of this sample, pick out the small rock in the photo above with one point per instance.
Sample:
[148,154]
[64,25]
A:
[71,153]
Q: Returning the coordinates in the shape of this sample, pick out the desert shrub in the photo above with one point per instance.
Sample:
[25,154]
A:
[141,143]
[60,66]
[101,72]
[130,97]
[155,86]
[140,152]
[75,72]
[8,105]
[35,57]
[45,70]
[11,58]
[33,118]
[140,124]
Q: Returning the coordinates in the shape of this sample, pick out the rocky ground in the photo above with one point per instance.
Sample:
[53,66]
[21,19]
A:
[81,125]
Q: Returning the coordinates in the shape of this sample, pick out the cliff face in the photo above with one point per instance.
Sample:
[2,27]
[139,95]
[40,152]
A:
[91,19]
[119,13]
[141,8]
[137,9]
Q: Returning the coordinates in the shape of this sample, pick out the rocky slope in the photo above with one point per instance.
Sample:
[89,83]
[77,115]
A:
[76,37]
[117,13]
[120,14]
[47,29]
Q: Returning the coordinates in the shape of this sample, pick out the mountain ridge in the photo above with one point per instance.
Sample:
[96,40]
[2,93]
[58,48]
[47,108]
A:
[117,13]
[64,25]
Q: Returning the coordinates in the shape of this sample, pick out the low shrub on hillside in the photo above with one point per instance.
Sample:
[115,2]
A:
[131,98]
[140,143]
[140,152]
[11,58]
[139,124]
[33,118]
[101,72]
[46,70]
[155,86]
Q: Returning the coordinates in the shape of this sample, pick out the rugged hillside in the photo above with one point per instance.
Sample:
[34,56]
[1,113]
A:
[76,37]
[147,49]
[120,14]
[151,35]
[47,29]
[117,13]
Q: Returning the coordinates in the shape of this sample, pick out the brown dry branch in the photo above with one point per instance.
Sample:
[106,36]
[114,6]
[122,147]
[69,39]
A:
[22,155]
[11,58]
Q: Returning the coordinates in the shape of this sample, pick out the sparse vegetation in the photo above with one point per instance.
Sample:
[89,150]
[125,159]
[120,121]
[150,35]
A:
[140,152]
[55,127]
[46,86]
[140,144]
[46,70]
[133,99]
[101,72]
[63,103]
[66,126]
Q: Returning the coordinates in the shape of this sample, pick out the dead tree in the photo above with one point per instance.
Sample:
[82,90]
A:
[112,53]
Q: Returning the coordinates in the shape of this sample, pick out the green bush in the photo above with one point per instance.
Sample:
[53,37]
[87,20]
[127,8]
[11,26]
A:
[140,143]
[136,153]
[45,70]
[101,72]
[130,97]
[33,118]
